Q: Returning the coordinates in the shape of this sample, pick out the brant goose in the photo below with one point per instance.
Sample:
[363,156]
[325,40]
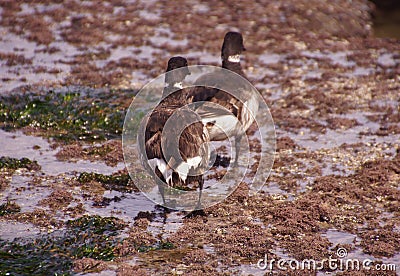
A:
[234,116]
[177,154]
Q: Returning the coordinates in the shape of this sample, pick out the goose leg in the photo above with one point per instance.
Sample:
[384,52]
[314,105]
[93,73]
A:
[237,149]
[201,184]
[160,180]
[166,210]
[161,189]
[213,158]
[198,211]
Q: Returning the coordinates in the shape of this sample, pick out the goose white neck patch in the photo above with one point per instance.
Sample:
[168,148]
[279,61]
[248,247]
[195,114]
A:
[235,58]
[178,85]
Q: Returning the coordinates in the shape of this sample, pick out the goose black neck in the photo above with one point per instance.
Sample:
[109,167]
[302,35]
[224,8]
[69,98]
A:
[233,66]
[174,94]
[168,89]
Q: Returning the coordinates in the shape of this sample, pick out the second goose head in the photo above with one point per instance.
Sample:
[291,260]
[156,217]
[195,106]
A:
[174,78]
[232,47]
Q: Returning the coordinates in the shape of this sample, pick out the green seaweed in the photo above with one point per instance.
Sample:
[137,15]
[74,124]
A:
[118,182]
[166,245]
[53,254]
[14,163]
[9,208]
[38,257]
[98,150]
[80,114]
[163,245]
[97,224]
[99,236]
